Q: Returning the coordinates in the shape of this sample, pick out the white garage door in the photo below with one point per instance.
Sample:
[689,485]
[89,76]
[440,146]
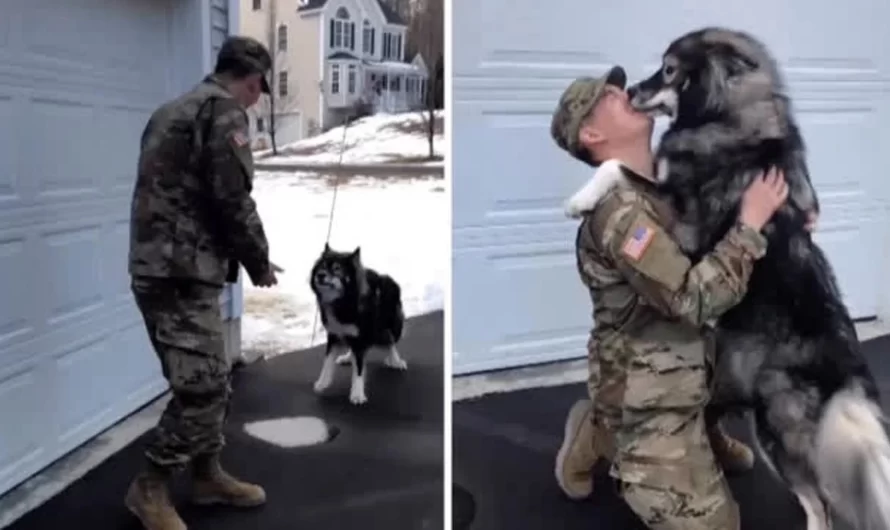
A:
[517,298]
[289,128]
[78,79]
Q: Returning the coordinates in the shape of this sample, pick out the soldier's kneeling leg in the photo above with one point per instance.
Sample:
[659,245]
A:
[669,475]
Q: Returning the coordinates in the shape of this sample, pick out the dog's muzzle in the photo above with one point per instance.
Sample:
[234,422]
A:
[662,102]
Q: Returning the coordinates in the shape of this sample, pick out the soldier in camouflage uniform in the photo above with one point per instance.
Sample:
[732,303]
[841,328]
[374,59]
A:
[193,223]
[648,350]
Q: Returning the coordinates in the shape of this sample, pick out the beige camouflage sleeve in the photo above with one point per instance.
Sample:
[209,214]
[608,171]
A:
[659,271]
[230,176]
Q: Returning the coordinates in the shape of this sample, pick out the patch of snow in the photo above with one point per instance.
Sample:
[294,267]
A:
[399,223]
[299,431]
[377,138]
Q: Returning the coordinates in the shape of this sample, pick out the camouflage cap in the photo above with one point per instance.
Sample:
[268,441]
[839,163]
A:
[248,53]
[575,105]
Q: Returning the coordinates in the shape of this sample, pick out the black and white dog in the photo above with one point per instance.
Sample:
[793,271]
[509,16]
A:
[360,310]
[788,354]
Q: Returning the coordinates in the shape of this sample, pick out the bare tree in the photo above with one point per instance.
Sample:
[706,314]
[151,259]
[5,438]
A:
[426,28]
[277,41]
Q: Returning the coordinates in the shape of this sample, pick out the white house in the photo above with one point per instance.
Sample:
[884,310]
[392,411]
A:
[74,355]
[517,299]
[330,55]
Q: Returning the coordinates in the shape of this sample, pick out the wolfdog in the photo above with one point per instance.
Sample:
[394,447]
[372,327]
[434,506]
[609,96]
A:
[788,356]
[360,309]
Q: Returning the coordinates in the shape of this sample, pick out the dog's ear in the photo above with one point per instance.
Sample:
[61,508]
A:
[361,276]
[717,81]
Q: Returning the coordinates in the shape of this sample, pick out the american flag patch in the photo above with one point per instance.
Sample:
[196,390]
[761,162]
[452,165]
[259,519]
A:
[239,139]
[638,242]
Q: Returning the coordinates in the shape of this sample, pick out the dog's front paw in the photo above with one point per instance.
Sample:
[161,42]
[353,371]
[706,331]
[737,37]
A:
[320,386]
[357,396]
[584,200]
[395,362]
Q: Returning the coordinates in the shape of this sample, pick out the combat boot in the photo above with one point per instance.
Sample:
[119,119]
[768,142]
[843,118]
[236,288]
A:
[149,500]
[582,446]
[212,485]
[734,456]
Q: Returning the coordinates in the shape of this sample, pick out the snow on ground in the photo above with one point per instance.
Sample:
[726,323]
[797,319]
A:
[378,138]
[399,223]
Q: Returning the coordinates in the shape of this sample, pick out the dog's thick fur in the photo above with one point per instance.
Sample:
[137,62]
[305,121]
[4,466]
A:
[788,354]
[360,309]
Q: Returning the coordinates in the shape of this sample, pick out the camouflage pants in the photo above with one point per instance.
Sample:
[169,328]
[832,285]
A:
[605,385]
[185,327]
[654,402]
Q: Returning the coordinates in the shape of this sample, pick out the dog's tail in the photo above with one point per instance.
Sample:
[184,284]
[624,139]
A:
[852,459]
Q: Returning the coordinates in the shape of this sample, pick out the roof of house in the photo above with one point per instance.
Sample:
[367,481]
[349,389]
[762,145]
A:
[388,13]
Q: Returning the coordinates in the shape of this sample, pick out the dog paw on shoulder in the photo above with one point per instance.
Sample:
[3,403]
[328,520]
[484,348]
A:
[585,200]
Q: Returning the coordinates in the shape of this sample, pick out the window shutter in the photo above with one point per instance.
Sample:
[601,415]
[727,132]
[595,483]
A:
[332,34]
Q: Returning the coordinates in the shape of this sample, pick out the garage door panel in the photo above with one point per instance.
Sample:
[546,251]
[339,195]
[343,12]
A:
[133,376]
[526,186]
[842,242]
[831,132]
[18,439]
[525,289]
[80,408]
[65,125]
[510,299]
[114,266]
[510,179]
[119,130]
[73,283]
[9,142]
[15,293]
[133,25]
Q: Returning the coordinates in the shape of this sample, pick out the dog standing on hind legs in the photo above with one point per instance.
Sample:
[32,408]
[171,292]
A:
[361,310]
[788,353]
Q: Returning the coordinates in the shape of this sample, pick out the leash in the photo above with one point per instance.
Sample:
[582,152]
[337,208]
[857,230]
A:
[327,238]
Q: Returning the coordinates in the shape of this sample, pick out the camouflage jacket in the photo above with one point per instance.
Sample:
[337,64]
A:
[645,292]
[192,215]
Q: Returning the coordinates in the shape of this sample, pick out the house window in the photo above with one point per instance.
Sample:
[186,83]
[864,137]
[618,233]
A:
[351,79]
[368,38]
[395,83]
[260,125]
[342,31]
[392,46]
[335,79]
[384,81]
[257,5]
[282,84]
[282,38]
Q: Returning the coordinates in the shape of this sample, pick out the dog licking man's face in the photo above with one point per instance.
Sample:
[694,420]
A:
[615,122]
[702,73]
